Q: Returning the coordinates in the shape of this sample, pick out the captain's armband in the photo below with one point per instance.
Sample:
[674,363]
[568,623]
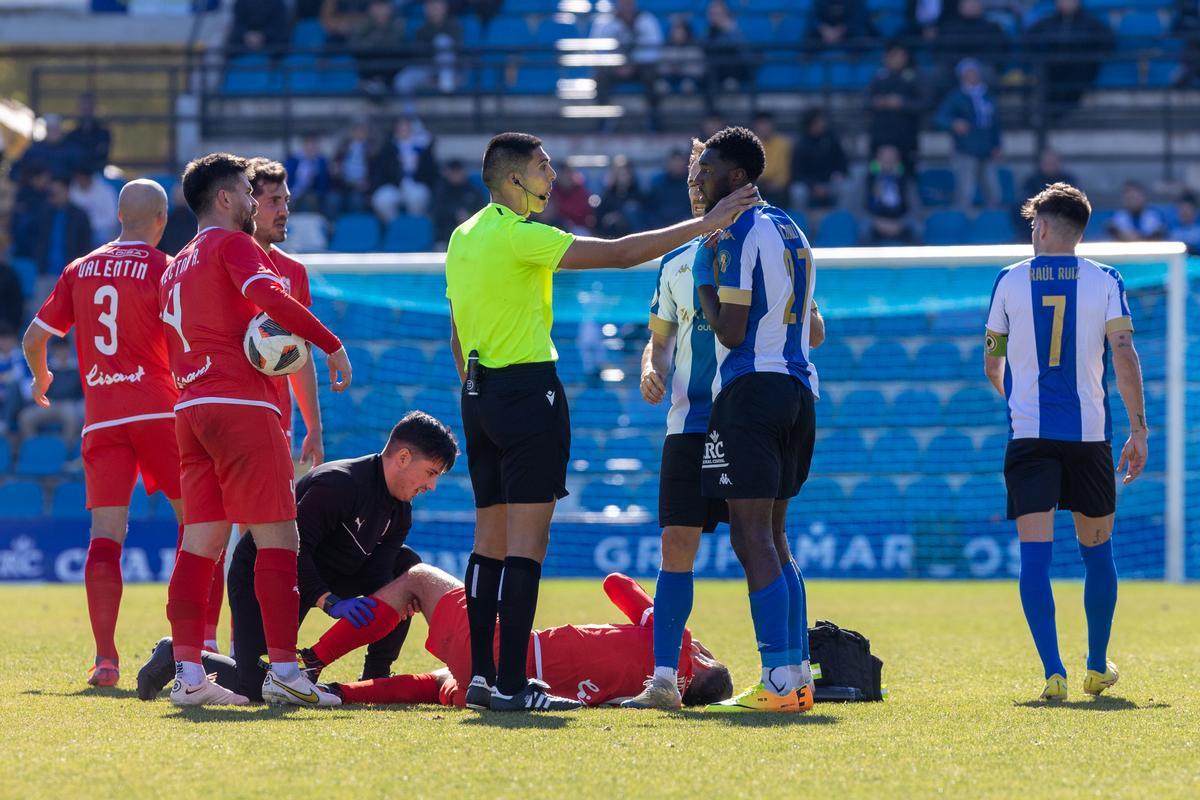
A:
[995,344]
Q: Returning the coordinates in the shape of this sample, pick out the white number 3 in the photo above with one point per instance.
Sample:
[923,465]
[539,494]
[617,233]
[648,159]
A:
[107,295]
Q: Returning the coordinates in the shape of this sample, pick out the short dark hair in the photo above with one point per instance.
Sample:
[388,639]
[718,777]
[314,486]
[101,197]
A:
[505,153]
[205,176]
[740,146]
[264,170]
[710,686]
[1062,202]
[426,434]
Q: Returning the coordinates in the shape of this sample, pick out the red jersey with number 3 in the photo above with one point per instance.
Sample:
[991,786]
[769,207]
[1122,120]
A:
[206,314]
[295,281]
[111,297]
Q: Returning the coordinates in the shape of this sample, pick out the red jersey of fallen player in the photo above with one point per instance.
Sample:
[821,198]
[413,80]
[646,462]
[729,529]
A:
[111,297]
[206,315]
[294,277]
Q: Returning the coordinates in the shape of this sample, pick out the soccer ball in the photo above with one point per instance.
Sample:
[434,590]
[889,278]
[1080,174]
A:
[273,350]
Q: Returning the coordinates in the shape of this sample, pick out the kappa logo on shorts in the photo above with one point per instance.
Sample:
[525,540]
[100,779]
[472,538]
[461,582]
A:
[550,397]
[714,452]
[725,480]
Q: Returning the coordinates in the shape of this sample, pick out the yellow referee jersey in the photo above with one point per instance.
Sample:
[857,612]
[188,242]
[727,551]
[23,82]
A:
[499,269]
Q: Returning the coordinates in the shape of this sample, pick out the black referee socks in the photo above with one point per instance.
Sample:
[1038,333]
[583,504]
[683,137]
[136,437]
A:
[483,586]
[518,603]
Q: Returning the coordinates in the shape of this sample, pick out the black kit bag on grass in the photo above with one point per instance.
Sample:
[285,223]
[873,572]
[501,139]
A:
[848,670]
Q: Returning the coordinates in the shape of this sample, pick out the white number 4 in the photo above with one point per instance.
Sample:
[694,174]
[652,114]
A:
[174,318]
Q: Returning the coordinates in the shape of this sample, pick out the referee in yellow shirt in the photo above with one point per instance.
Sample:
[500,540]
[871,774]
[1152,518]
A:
[499,269]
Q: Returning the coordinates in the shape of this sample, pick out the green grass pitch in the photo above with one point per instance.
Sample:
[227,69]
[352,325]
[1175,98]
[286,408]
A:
[960,721]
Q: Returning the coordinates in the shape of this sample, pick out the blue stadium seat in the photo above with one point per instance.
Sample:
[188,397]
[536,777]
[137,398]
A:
[838,229]
[1143,497]
[644,415]
[400,364]
[935,187]
[852,75]
[251,74]
[596,408]
[507,32]
[627,451]
[819,496]
[992,450]
[945,227]
[355,233]
[835,361]
[408,234]
[452,494]
[1097,224]
[982,497]
[939,361]
[781,72]
[916,408]
[41,455]
[441,403]
[5,454]
[599,494]
[972,407]
[307,34]
[928,497]
[1118,75]
[20,500]
[875,498]
[472,30]
[890,23]
[1138,30]
[949,451]
[69,500]
[26,269]
[894,451]
[668,6]
[991,227]
[861,408]
[884,361]
[757,29]
[842,451]
[587,454]
[551,31]
[141,504]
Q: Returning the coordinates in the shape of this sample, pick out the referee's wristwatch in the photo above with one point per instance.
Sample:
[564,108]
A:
[328,601]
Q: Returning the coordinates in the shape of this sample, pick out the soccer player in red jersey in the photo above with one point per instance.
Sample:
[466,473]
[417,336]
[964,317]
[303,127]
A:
[235,462]
[269,181]
[111,296]
[597,664]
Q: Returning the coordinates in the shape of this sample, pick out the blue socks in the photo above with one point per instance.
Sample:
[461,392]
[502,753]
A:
[1037,599]
[672,607]
[1099,600]
[797,614]
[769,610]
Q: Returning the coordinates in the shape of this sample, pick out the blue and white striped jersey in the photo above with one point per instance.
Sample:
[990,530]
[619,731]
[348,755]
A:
[763,261]
[1057,312]
[675,310]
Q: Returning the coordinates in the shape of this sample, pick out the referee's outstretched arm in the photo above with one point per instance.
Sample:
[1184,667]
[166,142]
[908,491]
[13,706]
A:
[638,248]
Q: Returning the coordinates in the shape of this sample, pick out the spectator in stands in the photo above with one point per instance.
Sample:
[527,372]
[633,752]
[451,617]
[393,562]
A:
[403,171]
[63,236]
[924,16]
[434,51]
[571,203]
[682,63]
[52,151]
[818,163]
[969,114]
[351,170]
[378,46]
[729,63]
[970,33]
[833,23]
[1069,46]
[455,200]
[622,203]
[896,103]
[1049,170]
[1135,221]
[775,182]
[15,389]
[308,176]
[90,138]
[667,200]
[1187,230]
[12,297]
[259,26]
[639,37]
[181,223]
[29,205]
[887,198]
[98,199]
[65,395]
[341,18]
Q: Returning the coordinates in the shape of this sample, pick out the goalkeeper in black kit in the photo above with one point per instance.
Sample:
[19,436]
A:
[354,516]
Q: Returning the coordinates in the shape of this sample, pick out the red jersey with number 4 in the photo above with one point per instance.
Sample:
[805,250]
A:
[111,297]
[294,277]
[206,313]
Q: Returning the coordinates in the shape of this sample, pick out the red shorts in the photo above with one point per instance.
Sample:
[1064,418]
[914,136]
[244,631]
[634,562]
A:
[449,639]
[113,458]
[235,465]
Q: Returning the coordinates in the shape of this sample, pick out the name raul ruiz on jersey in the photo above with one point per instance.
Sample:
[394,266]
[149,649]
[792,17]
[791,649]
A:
[1054,273]
[112,268]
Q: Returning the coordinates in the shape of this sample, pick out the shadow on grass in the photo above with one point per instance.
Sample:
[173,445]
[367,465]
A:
[1097,704]
[255,712]
[517,720]
[111,692]
[760,720]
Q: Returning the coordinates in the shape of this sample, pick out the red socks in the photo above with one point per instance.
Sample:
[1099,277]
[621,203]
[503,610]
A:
[396,689]
[344,637]
[279,599]
[216,599]
[187,601]
[102,580]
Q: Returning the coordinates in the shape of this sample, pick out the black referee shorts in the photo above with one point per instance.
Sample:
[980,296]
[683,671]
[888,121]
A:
[1042,474]
[760,438]
[680,501]
[518,432]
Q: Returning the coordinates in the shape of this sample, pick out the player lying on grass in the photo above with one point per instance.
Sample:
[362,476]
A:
[597,664]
